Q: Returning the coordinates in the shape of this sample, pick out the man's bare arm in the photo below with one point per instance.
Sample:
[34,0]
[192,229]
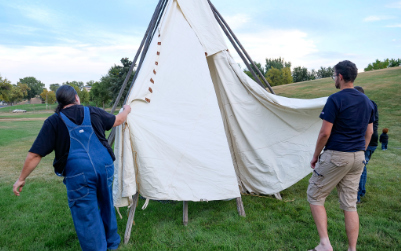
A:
[31,162]
[368,135]
[122,116]
[324,135]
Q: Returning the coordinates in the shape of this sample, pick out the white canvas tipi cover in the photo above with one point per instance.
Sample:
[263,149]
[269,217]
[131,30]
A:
[199,128]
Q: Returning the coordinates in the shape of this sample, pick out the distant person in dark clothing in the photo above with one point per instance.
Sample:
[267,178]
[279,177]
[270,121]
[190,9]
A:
[384,139]
[370,150]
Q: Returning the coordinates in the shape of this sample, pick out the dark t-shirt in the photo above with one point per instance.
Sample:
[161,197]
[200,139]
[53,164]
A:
[54,133]
[350,111]
[375,135]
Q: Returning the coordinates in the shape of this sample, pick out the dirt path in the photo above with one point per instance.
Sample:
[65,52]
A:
[21,119]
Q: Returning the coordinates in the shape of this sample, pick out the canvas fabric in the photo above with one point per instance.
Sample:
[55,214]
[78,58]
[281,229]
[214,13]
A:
[199,128]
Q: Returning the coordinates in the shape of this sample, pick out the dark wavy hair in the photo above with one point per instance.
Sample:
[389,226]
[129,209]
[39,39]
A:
[347,69]
[359,88]
[65,95]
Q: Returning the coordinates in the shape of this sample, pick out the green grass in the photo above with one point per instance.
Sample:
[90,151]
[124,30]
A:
[40,220]
[25,115]
[28,108]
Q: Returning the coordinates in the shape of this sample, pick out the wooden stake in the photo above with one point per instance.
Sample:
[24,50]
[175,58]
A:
[240,207]
[185,213]
[130,219]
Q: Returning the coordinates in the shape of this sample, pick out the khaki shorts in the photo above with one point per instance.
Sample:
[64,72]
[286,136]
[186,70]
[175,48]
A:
[337,169]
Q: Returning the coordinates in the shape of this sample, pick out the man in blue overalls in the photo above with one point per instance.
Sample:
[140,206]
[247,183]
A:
[86,162]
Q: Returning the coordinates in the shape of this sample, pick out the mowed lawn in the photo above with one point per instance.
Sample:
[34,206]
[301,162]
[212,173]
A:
[40,219]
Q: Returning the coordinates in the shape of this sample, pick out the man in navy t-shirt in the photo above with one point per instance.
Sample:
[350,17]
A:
[345,134]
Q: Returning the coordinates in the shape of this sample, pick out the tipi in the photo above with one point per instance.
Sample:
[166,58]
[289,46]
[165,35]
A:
[200,129]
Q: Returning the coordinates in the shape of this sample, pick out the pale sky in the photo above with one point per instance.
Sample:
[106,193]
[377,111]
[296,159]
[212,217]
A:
[59,41]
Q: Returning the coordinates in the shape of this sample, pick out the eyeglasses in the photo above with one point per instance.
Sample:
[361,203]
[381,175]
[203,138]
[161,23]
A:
[334,77]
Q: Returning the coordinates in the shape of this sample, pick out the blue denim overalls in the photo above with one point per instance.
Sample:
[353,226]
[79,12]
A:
[88,178]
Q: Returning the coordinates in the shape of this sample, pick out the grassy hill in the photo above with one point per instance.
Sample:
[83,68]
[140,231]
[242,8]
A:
[381,86]
[40,219]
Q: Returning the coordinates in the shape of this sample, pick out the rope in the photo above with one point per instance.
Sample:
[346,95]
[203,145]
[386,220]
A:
[146,204]
[118,211]
[135,154]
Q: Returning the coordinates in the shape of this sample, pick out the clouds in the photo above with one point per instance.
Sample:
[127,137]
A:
[237,21]
[394,5]
[37,13]
[58,41]
[292,45]
[394,26]
[57,64]
[377,18]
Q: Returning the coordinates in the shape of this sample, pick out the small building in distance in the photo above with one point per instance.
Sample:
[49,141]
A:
[88,88]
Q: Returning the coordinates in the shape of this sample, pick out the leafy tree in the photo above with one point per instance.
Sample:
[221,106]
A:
[394,62]
[324,72]
[312,75]
[35,86]
[115,79]
[18,92]
[286,75]
[277,63]
[5,88]
[258,67]
[255,69]
[300,74]
[273,76]
[90,83]
[279,76]
[100,93]
[84,96]
[54,87]
[48,96]
[51,97]
[44,93]
[377,65]
[78,84]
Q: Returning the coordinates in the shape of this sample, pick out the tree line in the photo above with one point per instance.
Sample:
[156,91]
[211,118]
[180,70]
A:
[386,63]
[103,92]
[278,72]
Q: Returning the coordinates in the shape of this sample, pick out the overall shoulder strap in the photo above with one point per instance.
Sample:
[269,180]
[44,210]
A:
[67,121]
[87,116]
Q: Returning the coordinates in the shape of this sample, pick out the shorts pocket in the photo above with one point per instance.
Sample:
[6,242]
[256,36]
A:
[338,160]
[77,187]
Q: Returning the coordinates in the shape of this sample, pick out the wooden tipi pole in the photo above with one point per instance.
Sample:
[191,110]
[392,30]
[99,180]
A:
[185,213]
[230,33]
[147,38]
[130,220]
[157,15]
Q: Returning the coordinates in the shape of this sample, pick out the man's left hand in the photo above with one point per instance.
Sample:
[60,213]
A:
[313,162]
